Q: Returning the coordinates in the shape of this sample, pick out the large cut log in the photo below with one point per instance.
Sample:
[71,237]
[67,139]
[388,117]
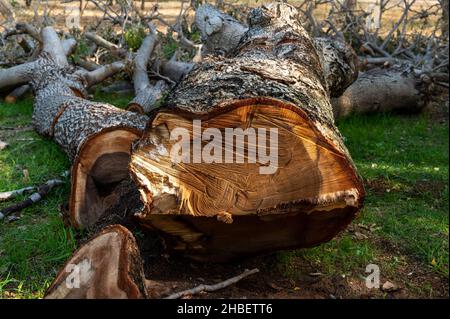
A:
[97,137]
[384,90]
[217,210]
[107,266]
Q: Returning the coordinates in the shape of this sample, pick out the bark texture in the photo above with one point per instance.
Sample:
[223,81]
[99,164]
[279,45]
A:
[146,95]
[382,90]
[221,35]
[339,64]
[220,32]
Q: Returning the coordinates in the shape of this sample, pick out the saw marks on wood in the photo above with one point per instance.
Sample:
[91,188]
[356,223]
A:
[313,193]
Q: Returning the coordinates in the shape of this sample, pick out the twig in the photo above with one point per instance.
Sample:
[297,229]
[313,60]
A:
[11,194]
[33,198]
[210,288]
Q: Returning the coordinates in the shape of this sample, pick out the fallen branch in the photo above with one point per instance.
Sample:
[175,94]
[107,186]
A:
[33,198]
[210,288]
[113,48]
[11,194]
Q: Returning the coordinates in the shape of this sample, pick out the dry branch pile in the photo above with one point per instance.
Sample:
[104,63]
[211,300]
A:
[268,76]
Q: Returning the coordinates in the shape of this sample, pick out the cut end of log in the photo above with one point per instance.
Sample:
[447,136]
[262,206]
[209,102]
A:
[101,164]
[107,266]
[220,211]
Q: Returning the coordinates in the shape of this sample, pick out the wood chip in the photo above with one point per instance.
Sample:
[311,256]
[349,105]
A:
[3,145]
[389,287]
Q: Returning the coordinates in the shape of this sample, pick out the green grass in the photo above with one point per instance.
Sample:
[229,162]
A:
[411,154]
[406,155]
[33,248]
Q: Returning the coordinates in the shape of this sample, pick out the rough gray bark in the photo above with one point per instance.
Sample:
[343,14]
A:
[220,32]
[382,90]
[339,64]
[70,132]
[146,95]
[74,123]
[221,35]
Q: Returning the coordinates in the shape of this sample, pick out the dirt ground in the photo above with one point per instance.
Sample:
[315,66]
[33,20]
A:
[171,274]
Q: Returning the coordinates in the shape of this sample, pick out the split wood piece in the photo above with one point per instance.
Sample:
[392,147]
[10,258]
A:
[212,288]
[108,266]
[383,90]
[220,211]
[33,198]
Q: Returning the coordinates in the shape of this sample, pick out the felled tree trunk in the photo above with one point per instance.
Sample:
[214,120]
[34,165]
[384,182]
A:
[220,210]
[107,266]
[383,90]
[97,137]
